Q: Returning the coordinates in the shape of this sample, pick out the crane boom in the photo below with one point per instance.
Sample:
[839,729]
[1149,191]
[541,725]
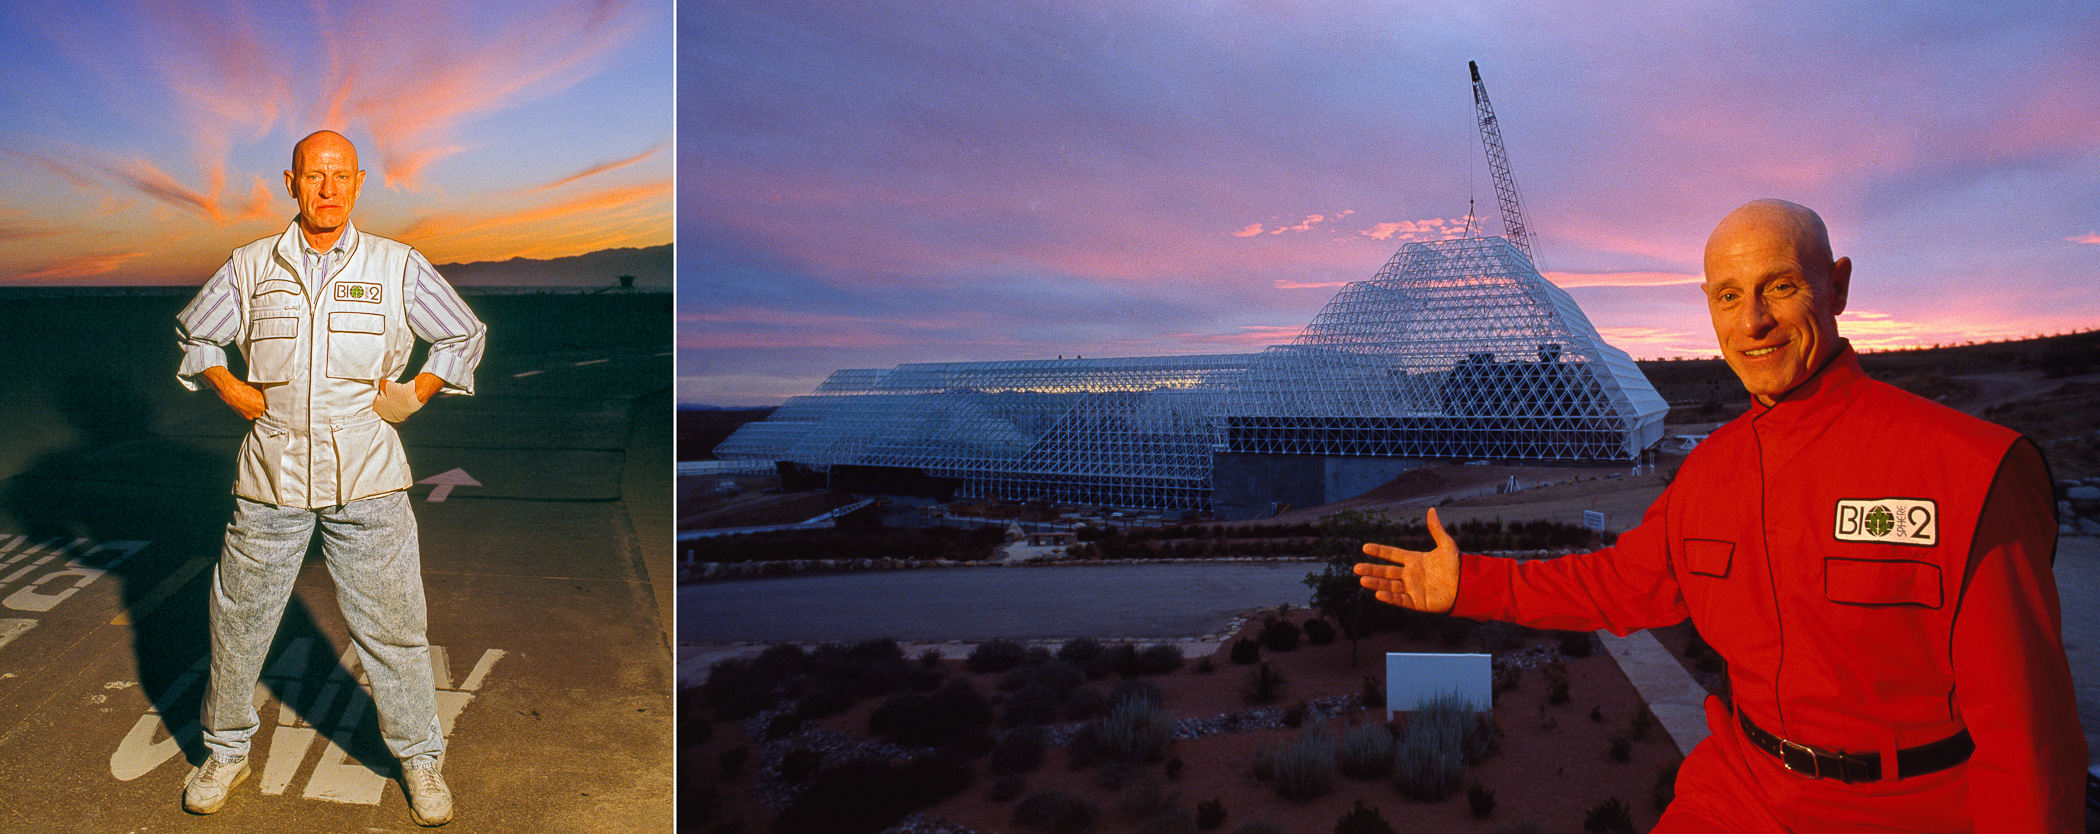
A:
[1498,164]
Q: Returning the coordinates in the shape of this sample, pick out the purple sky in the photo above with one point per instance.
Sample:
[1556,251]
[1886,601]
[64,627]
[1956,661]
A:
[864,184]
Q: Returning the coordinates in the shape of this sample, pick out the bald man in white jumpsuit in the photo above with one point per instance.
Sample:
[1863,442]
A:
[325,316]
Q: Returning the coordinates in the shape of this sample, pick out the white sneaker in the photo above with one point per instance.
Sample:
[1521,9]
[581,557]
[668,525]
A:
[429,799]
[211,783]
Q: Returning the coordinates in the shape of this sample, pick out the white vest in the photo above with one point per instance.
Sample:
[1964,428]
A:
[317,354]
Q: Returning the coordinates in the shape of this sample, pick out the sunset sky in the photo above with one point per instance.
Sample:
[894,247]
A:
[145,140]
[869,183]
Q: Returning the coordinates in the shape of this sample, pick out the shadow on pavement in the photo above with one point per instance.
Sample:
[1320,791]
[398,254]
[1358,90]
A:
[151,511]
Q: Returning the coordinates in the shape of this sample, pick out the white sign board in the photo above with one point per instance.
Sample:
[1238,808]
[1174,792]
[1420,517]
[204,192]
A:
[1593,520]
[1415,678]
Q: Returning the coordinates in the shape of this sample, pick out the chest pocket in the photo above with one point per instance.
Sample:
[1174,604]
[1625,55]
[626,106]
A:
[276,317]
[1707,557]
[356,345]
[1882,582]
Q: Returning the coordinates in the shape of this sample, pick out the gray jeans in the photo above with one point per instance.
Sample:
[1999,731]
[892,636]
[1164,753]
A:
[370,547]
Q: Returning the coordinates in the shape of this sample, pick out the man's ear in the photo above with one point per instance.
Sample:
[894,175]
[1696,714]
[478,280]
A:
[1840,284]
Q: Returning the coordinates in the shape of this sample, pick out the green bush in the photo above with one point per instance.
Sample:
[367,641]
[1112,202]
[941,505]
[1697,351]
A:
[1086,702]
[1319,632]
[1258,827]
[996,656]
[1135,731]
[1036,704]
[1280,634]
[1609,817]
[916,719]
[1481,798]
[1367,752]
[1443,736]
[1362,820]
[1057,812]
[1159,659]
[1245,651]
[871,795]
[1135,690]
[1018,750]
[1302,770]
[1079,650]
[1265,685]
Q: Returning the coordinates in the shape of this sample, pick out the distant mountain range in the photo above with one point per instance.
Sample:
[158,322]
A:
[650,266]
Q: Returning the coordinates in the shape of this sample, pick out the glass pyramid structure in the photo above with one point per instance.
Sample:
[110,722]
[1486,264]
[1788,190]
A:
[1457,349]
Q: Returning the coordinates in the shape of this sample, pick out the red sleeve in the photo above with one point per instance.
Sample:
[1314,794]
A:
[2012,681]
[1624,588]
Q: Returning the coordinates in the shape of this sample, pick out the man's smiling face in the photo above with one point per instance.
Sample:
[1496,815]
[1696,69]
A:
[1774,296]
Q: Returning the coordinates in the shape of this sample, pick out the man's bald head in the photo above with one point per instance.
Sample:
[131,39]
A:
[322,139]
[325,180]
[1774,294]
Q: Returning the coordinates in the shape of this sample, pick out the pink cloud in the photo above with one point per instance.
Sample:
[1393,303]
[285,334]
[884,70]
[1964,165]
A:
[1621,279]
[83,266]
[597,169]
[1287,284]
[2089,239]
[1251,230]
[1415,230]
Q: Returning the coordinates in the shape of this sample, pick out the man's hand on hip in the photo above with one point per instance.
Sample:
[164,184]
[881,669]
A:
[1423,581]
[244,399]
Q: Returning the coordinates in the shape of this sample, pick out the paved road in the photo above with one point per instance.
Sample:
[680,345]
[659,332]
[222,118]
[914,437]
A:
[1150,601]
[548,585]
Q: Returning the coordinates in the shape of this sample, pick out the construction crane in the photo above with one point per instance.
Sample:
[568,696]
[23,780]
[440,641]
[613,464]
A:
[1498,164]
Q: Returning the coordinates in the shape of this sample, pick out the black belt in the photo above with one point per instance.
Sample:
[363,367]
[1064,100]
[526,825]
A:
[1817,763]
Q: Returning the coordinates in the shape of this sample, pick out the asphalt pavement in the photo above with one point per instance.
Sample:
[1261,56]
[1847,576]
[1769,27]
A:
[545,528]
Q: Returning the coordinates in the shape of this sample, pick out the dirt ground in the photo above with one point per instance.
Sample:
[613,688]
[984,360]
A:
[1552,762]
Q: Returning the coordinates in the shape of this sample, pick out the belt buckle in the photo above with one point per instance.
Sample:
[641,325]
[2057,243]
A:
[1788,752]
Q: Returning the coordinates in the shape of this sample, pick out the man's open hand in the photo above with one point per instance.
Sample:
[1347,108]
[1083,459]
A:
[1423,581]
[244,399]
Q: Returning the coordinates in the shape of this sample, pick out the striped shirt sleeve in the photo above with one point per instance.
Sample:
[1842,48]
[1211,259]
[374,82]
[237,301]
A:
[437,315]
[207,325]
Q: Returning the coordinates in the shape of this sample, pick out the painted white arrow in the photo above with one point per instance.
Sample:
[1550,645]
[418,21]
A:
[445,481]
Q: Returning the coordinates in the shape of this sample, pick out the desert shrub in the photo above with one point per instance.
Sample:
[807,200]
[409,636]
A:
[1576,643]
[930,658]
[1205,666]
[1015,678]
[1609,817]
[1061,676]
[1264,684]
[1036,704]
[1481,798]
[1175,766]
[1078,650]
[1018,750]
[1134,731]
[782,725]
[1245,651]
[1294,715]
[1597,714]
[1556,675]
[1149,797]
[1057,812]
[1258,827]
[1115,774]
[1134,690]
[1498,637]
[1508,678]
[1210,814]
[995,656]
[1362,820]
[1621,748]
[1319,632]
[1666,785]
[733,760]
[1430,761]
[916,719]
[1037,656]
[1367,752]
[1302,770]
[870,795]
[924,678]
[1086,702]
[799,764]
[1159,659]
[694,730]
[1007,786]
[824,699]
[1642,722]
[1373,694]
[1280,634]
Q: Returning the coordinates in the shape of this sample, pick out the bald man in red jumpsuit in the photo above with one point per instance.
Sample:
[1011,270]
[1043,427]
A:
[1874,567]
